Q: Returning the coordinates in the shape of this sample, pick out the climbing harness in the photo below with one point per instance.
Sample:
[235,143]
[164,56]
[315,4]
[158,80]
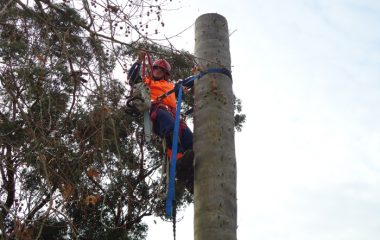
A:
[186,82]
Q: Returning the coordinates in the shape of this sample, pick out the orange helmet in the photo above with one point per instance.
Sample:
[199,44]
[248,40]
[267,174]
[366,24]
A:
[162,63]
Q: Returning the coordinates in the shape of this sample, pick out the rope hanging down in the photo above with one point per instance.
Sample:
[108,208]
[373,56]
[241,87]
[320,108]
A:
[171,188]
[147,55]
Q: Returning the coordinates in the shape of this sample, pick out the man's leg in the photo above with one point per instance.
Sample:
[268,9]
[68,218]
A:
[164,123]
[164,128]
[185,168]
[186,138]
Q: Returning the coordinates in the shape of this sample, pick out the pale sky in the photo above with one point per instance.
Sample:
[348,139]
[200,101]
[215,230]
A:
[308,74]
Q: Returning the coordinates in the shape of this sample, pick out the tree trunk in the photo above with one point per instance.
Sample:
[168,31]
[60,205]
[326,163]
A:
[214,147]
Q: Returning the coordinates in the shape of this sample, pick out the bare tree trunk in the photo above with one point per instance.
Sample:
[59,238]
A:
[214,147]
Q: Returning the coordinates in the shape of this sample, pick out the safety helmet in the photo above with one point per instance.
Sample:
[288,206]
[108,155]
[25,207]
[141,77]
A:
[162,63]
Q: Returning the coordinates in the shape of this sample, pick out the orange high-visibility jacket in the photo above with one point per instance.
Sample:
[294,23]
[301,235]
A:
[157,88]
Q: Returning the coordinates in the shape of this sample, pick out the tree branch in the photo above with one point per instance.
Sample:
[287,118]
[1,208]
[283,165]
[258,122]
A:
[5,7]
[41,204]
[9,184]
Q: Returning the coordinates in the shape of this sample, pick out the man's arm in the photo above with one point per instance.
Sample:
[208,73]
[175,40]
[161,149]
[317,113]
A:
[186,86]
[134,75]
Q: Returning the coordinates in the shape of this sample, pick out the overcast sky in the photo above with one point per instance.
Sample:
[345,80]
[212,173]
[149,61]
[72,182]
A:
[308,73]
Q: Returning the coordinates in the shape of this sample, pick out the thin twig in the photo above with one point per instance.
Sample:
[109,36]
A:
[2,12]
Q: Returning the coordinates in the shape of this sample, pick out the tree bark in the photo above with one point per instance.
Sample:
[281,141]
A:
[214,148]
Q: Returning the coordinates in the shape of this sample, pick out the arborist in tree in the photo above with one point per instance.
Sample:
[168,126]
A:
[162,114]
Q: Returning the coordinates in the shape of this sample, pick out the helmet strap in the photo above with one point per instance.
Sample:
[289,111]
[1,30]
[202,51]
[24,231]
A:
[155,78]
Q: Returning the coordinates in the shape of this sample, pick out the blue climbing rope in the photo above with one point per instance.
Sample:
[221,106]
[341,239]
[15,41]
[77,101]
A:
[171,189]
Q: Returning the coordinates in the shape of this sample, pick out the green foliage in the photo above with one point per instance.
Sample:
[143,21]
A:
[240,118]
[75,157]
[52,229]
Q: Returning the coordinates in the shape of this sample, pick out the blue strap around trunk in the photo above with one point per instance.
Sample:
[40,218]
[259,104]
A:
[189,80]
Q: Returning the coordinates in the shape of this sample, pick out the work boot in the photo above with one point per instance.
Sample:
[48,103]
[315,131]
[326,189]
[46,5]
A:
[185,170]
